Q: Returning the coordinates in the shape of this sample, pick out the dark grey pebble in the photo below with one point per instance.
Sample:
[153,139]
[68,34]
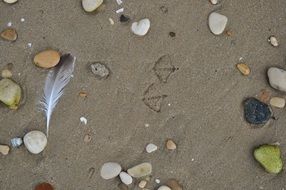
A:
[256,112]
[124,18]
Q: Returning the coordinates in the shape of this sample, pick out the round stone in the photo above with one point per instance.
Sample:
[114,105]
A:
[4,149]
[9,34]
[91,5]
[35,141]
[277,78]
[217,23]
[164,187]
[256,112]
[142,184]
[110,170]
[44,186]
[151,148]
[125,178]
[47,59]
[170,144]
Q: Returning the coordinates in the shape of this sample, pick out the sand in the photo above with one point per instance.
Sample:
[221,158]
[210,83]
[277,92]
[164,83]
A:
[202,112]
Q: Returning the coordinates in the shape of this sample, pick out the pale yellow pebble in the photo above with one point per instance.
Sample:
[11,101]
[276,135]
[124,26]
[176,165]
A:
[6,73]
[277,102]
[142,184]
[170,144]
[47,59]
[9,34]
[4,149]
[243,68]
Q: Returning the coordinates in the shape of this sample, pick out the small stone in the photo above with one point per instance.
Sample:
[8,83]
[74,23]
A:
[229,33]
[256,112]
[151,148]
[273,41]
[277,78]
[217,23]
[125,178]
[170,144]
[277,102]
[124,18]
[35,141]
[264,96]
[110,170]
[4,149]
[91,5]
[243,68]
[83,94]
[140,170]
[269,156]
[100,70]
[141,28]
[142,184]
[174,184]
[44,186]
[47,59]
[111,21]
[87,138]
[172,34]
[164,187]
[16,142]
[214,2]
[122,186]
[6,73]
[9,34]
[10,1]
[158,181]
[10,93]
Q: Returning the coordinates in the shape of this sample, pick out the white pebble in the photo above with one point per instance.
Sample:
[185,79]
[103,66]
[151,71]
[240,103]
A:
[119,2]
[110,170]
[217,23]
[91,5]
[277,102]
[151,148]
[83,120]
[29,44]
[9,24]
[273,41]
[10,1]
[214,2]
[22,20]
[125,178]
[277,78]
[157,181]
[120,10]
[111,21]
[141,28]
[164,188]
[35,141]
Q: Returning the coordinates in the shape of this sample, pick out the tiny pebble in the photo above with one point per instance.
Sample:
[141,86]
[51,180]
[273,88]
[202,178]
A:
[142,184]
[16,142]
[164,187]
[29,44]
[44,186]
[214,2]
[87,138]
[22,20]
[10,1]
[9,34]
[172,34]
[83,120]
[120,10]
[277,102]
[141,27]
[174,184]
[6,73]
[110,170]
[9,24]
[243,68]
[83,94]
[151,148]
[157,181]
[217,23]
[273,41]
[4,149]
[125,178]
[170,144]
[47,59]
[111,21]
[119,2]
[124,18]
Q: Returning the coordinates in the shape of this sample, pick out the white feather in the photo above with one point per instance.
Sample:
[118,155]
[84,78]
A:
[56,81]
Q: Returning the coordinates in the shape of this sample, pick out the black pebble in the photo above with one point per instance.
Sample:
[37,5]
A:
[256,112]
[124,18]
[172,34]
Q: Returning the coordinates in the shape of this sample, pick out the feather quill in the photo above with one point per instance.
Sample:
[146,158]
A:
[55,83]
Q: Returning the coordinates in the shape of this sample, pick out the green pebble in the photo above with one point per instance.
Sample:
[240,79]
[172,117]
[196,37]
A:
[269,156]
[10,93]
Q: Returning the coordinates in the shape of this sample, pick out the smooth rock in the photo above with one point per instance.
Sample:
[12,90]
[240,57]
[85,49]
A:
[214,2]
[124,18]
[217,23]
[10,93]
[164,187]
[4,149]
[277,78]
[91,5]
[141,28]
[256,112]
[170,144]
[125,178]
[243,68]
[277,102]
[100,70]
[35,141]
[44,186]
[151,148]
[110,170]
[9,34]
[140,170]
[142,184]
[6,73]
[273,41]
[47,59]
[174,184]
[269,156]
[10,1]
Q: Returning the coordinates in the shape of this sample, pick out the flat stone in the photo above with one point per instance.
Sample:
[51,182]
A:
[151,148]
[256,112]
[140,170]
[125,178]
[141,27]
[174,184]
[243,68]
[35,141]
[277,102]
[170,144]
[9,34]
[4,149]
[91,5]
[164,187]
[277,78]
[47,59]
[10,93]
[110,170]
[217,23]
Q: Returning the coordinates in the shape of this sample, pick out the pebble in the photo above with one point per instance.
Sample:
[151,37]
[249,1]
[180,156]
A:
[256,112]
[10,93]
[91,5]
[100,70]
[264,96]
[243,68]
[4,149]
[214,2]
[142,184]
[35,141]
[140,170]
[82,94]
[217,23]
[83,120]
[269,156]
[10,1]
[9,34]
[16,142]
[277,102]
[125,178]
[141,27]
[170,144]
[277,78]
[110,170]
[124,18]
[158,181]
[87,138]
[273,41]
[174,184]
[164,187]
[6,73]
[47,59]
[44,186]
[151,148]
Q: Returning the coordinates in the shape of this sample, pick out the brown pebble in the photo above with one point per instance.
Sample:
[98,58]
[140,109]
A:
[87,138]
[83,94]
[264,96]
[47,59]
[9,34]
[243,68]
[122,186]
[229,33]
[170,144]
[44,186]
[6,73]
[174,184]
[4,149]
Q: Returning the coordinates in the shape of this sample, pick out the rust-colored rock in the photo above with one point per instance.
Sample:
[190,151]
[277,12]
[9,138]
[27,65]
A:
[44,186]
